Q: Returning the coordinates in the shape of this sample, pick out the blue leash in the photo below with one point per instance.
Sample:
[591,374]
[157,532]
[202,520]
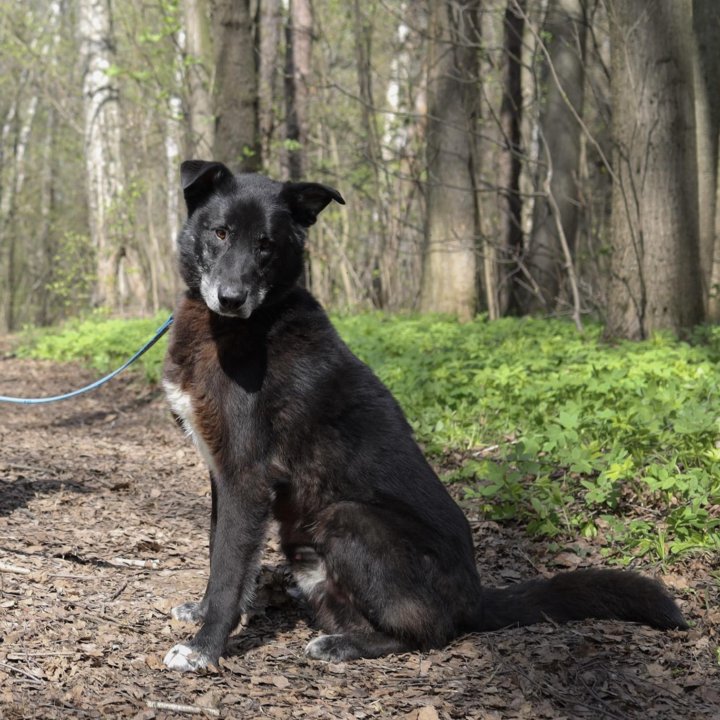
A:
[38,401]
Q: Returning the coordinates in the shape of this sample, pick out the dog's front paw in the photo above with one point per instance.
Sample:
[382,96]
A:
[333,648]
[184,658]
[192,612]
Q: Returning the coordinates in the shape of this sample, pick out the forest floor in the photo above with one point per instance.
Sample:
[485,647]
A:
[104,509]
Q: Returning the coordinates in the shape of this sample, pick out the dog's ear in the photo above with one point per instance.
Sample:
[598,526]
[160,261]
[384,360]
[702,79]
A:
[199,178]
[307,200]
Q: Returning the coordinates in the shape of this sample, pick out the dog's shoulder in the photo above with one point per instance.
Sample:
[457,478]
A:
[190,331]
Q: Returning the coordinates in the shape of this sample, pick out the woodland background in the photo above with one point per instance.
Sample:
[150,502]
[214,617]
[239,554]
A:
[552,157]
[500,159]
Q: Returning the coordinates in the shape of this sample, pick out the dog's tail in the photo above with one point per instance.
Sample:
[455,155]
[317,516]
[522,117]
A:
[581,594]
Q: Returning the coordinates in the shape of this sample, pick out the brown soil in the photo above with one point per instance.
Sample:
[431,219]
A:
[103,528]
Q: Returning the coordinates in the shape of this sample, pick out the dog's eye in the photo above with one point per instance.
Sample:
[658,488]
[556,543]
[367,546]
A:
[221,233]
[264,244]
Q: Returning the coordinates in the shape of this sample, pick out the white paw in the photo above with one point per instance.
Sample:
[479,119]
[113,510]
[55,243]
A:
[322,647]
[187,612]
[181,657]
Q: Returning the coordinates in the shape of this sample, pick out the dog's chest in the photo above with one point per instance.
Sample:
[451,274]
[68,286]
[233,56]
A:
[181,403]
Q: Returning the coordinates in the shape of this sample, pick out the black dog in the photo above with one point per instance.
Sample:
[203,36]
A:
[293,426]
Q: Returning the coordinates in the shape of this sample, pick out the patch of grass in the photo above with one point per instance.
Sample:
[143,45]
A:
[619,440]
[592,439]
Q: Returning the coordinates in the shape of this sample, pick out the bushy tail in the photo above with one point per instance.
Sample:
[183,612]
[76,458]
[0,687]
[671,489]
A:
[580,594]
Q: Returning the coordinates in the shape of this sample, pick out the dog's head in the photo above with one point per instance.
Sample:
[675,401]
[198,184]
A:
[242,244]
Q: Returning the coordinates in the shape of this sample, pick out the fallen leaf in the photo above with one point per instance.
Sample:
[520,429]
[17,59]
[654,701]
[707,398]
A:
[566,560]
[427,713]
[466,649]
[675,581]
[280,681]
[154,662]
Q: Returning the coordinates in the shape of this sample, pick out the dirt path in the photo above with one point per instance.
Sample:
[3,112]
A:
[103,527]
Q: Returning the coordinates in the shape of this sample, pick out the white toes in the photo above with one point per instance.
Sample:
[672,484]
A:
[320,648]
[181,657]
[187,612]
[179,612]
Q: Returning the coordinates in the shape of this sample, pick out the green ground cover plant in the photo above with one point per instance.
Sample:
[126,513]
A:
[99,342]
[544,426]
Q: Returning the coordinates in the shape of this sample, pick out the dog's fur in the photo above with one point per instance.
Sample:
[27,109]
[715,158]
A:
[293,426]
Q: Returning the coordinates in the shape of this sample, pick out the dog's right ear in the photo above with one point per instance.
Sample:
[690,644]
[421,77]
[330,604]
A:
[199,179]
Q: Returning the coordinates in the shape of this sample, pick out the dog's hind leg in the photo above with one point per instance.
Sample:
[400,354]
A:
[355,636]
[378,592]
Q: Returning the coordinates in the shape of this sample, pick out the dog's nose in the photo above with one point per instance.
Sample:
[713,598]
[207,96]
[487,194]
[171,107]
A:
[231,299]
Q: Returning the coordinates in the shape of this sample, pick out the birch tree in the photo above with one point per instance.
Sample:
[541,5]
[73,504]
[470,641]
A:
[102,140]
[14,145]
[11,189]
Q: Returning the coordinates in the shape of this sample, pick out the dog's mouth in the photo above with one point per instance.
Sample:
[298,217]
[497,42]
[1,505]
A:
[231,301]
[242,313]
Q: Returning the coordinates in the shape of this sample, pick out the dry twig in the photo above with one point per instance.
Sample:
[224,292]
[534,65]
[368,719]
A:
[14,668]
[133,562]
[189,709]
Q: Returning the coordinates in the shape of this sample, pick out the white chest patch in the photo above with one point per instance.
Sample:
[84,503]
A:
[181,404]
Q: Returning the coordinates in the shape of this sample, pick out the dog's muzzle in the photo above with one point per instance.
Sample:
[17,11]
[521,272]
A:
[231,300]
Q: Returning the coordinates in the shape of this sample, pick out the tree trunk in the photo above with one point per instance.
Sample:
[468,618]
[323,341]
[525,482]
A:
[510,120]
[46,250]
[398,174]
[655,259]
[172,171]
[299,51]
[706,30]
[173,155]
[449,269]
[8,202]
[502,211]
[269,29]
[380,225]
[555,216]
[102,146]
[236,97]
[199,78]
[23,263]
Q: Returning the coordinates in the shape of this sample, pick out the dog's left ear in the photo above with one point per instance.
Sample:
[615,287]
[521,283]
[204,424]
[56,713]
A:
[307,200]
